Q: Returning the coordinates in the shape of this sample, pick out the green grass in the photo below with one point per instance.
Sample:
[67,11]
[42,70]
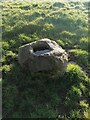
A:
[45,95]
[81,56]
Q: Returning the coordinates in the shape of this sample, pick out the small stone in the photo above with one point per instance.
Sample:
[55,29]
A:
[43,55]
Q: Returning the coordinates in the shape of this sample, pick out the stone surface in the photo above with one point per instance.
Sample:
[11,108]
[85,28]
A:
[43,55]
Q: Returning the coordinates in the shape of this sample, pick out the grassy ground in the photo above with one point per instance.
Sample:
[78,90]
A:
[44,95]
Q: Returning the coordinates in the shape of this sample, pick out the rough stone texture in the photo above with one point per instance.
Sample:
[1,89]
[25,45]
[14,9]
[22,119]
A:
[43,55]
